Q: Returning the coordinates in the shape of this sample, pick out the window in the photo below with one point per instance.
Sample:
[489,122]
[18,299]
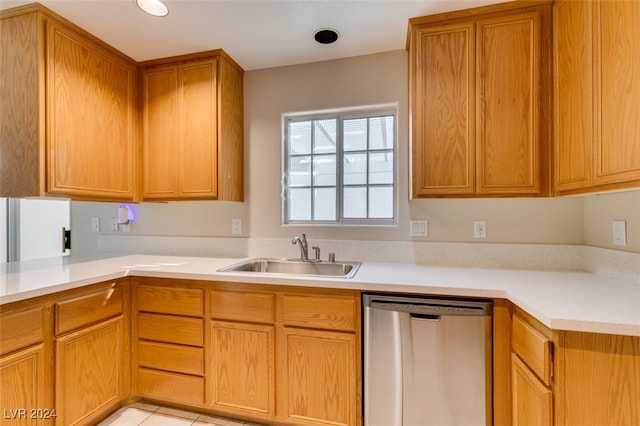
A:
[340,168]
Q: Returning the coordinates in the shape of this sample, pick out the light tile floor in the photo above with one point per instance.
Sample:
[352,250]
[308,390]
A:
[144,414]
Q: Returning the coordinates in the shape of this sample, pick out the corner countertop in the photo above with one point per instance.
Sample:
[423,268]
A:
[576,301]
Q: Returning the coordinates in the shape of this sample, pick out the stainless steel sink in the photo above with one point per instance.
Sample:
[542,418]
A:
[296,267]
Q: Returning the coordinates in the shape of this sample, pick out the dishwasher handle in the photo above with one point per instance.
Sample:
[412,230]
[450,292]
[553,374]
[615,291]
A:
[426,317]
[428,306]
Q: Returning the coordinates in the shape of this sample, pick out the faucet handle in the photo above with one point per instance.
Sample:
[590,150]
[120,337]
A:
[316,250]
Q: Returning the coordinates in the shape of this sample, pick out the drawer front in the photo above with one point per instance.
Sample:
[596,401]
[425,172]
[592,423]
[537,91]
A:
[325,312]
[533,348]
[168,329]
[21,329]
[170,300]
[84,310]
[171,387]
[243,306]
[169,357]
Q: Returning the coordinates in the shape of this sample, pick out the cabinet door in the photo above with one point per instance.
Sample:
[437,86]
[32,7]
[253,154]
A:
[160,132]
[573,94]
[21,141]
[23,387]
[320,377]
[617,152]
[532,400]
[89,372]
[180,131]
[508,118]
[90,118]
[199,129]
[443,103]
[242,357]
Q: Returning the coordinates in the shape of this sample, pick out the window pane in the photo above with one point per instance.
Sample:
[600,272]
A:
[355,202]
[299,137]
[324,204]
[324,170]
[381,167]
[300,171]
[325,136]
[381,202]
[355,169]
[355,134]
[381,132]
[299,204]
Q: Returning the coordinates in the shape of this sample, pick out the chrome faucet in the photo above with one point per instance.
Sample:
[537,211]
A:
[304,251]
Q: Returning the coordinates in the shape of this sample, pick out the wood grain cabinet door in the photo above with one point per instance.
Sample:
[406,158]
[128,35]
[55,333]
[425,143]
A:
[320,383]
[90,118]
[508,117]
[531,399]
[573,94]
[89,372]
[180,128]
[23,387]
[617,151]
[441,73]
[243,360]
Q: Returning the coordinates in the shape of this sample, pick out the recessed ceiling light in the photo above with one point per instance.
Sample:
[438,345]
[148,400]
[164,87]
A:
[153,7]
[325,35]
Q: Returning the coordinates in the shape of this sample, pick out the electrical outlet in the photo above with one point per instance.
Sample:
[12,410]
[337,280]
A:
[114,224]
[479,229]
[419,228]
[619,233]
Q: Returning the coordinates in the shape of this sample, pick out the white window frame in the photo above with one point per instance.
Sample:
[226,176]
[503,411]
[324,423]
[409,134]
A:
[340,116]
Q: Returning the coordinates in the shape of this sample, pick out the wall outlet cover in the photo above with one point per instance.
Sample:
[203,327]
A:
[419,228]
[619,233]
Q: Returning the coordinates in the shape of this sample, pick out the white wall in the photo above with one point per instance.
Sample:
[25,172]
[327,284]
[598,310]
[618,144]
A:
[365,80]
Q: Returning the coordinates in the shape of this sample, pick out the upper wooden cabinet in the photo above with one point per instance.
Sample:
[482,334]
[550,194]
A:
[68,123]
[596,50]
[193,128]
[480,101]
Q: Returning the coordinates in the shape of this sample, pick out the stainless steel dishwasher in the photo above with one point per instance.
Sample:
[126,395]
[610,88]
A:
[427,361]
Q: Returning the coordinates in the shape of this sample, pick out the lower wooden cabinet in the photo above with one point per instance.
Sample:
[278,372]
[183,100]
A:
[89,369]
[169,341]
[531,372]
[23,387]
[532,400]
[320,377]
[242,364]
[597,379]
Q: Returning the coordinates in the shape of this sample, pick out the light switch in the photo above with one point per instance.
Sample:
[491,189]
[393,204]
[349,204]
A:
[95,224]
[619,233]
[419,228]
[236,226]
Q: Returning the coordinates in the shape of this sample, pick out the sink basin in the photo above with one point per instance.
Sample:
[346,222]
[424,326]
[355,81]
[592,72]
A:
[296,267]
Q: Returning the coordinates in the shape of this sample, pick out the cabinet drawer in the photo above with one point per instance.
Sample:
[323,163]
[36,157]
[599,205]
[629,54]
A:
[171,387]
[176,358]
[242,306]
[84,310]
[532,347]
[170,300]
[169,329]
[326,312]
[21,329]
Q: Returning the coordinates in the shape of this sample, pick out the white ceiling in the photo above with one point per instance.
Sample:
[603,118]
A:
[256,33]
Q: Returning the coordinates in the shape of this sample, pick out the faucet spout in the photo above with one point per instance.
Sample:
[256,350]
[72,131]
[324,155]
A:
[302,242]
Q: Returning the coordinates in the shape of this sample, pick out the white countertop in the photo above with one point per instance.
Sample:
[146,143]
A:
[578,301]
